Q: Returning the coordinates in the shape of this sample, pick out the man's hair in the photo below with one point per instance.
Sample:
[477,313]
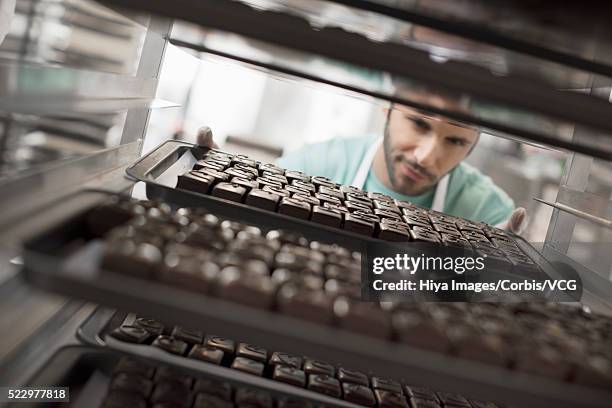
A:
[402,88]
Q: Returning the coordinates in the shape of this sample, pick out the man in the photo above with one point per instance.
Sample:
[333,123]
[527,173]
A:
[419,159]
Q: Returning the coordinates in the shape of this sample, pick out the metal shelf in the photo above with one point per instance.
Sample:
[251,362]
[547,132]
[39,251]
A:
[525,99]
[511,131]
[490,31]
[40,89]
[281,332]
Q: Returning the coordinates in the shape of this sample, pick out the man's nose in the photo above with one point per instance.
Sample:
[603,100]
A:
[427,152]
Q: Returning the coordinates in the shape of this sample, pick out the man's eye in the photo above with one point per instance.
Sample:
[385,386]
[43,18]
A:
[420,123]
[457,142]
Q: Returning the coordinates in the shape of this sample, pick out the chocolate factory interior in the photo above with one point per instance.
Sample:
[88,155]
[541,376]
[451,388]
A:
[89,88]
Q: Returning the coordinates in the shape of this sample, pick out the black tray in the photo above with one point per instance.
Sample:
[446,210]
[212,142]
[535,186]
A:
[75,273]
[95,329]
[87,371]
[160,168]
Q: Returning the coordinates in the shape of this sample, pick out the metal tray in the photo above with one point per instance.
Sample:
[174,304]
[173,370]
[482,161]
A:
[48,266]
[95,329]
[87,371]
[160,169]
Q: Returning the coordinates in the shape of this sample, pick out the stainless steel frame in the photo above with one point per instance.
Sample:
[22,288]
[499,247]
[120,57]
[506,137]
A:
[35,199]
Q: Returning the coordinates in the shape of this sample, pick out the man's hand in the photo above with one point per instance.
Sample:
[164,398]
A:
[517,222]
[205,138]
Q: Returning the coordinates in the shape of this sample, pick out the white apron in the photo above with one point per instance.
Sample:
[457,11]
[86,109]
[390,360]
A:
[366,164]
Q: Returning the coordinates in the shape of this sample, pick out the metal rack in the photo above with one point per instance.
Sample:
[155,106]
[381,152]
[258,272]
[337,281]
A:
[305,30]
[284,26]
[60,91]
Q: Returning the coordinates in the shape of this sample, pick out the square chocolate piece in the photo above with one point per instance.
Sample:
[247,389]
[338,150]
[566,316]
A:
[326,198]
[360,223]
[271,168]
[324,384]
[387,214]
[353,206]
[216,388]
[380,197]
[296,190]
[389,206]
[358,394]
[289,375]
[187,335]
[304,185]
[352,190]
[307,198]
[319,182]
[285,359]
[246,169]
[336,207]
[351,376]
[197,182]
[248,366]
[262,199]
[209,164]
[387,399]
[318,367]
[295,208]
[393,232]
[171,345]
[218,176]
[326,216]
[269,183]
[296,175]
[130,334]
[252,352]
[208,354]
[229,191]
[247,184]
[276,190]
[334,192]
[227,345]
[234,172]
[425,236]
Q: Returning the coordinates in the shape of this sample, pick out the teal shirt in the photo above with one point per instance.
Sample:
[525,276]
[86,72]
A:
[470,194]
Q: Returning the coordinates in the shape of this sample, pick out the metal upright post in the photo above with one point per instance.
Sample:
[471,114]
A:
[149,67]
[576,177]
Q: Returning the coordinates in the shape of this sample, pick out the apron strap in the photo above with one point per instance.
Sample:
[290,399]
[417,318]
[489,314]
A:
[366,163]
[440,194]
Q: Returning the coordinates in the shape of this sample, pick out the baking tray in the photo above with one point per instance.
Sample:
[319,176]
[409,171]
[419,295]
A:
[87,371]
[160,168]
[100,323]
[49,264]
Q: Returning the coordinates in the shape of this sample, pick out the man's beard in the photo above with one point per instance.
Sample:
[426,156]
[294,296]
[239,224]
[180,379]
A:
[390,164]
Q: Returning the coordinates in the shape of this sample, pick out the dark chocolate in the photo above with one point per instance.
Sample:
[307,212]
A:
[295,208]
[289,375]
[324,384]
[170,345]
[358,394]
[197,182]
[248,366]
[208,354]
[326,216]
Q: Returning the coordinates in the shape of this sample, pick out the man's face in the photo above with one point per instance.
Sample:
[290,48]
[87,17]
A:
[421,149]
